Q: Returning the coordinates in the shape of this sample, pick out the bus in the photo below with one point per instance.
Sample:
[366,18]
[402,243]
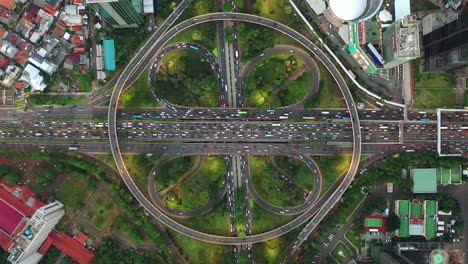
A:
[269,135]
[284,117]
[325,113]
[73,148]
[276,125]
[345,118]
[137,116]
[241,112]
[272,111]
[409,150]
[424,119]
[194,47]
[308,117]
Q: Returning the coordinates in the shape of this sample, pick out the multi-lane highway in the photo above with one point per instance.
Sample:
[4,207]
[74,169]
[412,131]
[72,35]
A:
[201,130]
[113,136]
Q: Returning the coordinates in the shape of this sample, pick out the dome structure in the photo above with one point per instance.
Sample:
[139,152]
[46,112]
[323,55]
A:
[348,10]
[354,10]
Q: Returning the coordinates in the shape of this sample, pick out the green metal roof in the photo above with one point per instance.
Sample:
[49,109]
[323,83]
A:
[403,208]
[416,210]
[403,231]
[430,231]
[431,207]
[424,180]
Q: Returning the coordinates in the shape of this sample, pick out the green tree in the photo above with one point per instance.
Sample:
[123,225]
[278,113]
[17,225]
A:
[12,178]
[4,170]
[197,35]
[393,222]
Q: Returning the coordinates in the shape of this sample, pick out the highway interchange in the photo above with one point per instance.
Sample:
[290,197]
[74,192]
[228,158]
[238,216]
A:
[196,131]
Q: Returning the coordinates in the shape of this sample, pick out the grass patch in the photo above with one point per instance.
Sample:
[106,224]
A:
[354,235]
[44,99]
[272,251]
[170,172]
[102,211]
[340,252]
[202,34]
[277,10]
[268,84]
[73,192]
[270,186]
[434,98]
[202,187]
[215,222]
[108,158]
[264,221]
[297,170]
[332,167]
[139,167]
[139,93]
[328,95]
[201,252]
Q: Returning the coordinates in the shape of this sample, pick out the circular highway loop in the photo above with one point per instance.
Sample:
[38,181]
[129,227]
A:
[309,62]
[182,46]
[311,198]
[156,198]
[319,210]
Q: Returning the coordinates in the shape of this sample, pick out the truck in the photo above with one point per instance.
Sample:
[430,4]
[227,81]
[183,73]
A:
[73,148]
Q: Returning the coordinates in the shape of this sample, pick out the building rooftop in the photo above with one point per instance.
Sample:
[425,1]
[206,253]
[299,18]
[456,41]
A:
[403,208]
[10,218]
[407,32]
[109,54]
[348,9]
[424,180]
[416,210]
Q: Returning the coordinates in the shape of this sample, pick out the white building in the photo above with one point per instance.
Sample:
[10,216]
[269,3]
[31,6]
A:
[24,250]
[32,76]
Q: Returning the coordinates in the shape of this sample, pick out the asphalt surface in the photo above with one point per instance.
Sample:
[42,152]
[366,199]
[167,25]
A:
[157,45]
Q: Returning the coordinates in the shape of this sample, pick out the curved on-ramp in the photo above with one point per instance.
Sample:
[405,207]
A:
[156,199]
[311,199]
[321,209]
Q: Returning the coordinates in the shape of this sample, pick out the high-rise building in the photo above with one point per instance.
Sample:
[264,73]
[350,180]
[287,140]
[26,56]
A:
[34,233]
[446,48]
[401,42]
[116,13]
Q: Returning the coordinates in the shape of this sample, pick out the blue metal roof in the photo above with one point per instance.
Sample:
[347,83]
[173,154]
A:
[109,54]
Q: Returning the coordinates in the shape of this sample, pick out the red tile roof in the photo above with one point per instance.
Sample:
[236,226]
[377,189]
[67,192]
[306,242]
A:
[59,31]
[12,200]
[61,23]
[76,39]
[79,49]
[74,58]
[77,2]
[81,238]
[49,9]
[4,62]
[9,4]
[2,32]
[19,85]
[12,38]
[71,248]
[76,28]
[22,57]
[46,245]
